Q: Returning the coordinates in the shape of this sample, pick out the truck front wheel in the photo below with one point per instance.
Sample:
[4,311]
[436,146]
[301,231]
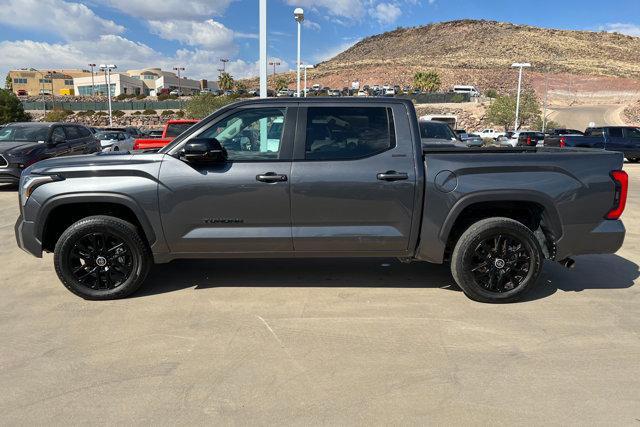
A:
[496,260]
[102,258]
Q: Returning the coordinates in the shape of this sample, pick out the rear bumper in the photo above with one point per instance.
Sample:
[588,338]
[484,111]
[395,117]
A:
[26,237]
[605,238]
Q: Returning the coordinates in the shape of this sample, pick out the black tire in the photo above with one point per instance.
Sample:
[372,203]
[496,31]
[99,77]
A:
[496,260]
[81,250]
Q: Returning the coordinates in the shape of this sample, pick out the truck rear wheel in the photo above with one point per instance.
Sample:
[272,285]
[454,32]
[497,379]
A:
[496,260]
[102,258]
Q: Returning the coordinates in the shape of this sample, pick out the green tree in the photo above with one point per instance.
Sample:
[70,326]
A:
[241,86]
[281,83]
[428,81]
[225,81]
[8,83]
[491,93]
[537,124]
[502,111]
[11,108]
[200,106]
[57,115]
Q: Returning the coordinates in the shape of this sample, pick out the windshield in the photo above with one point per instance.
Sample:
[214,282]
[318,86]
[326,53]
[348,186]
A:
[436,130]
[107,135]
[24,133]
[176,129]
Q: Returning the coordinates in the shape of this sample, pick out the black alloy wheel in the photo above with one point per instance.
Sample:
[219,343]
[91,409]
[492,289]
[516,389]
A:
[100,260]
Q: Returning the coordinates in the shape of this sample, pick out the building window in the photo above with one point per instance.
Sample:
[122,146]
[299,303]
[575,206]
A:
[45,81]
[68,82]
[148,77]
[20,80]
[100,88]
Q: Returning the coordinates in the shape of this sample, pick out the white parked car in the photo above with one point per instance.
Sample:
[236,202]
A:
[362,93]
[490,134]
[512,141]
[115,140]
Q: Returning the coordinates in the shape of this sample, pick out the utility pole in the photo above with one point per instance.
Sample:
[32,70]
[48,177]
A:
[519,65]
[108,68]
[298,14]
[274,63]
[93,84]
[178,69]
[306,67]
[263,48]
[44,100]
[546,95]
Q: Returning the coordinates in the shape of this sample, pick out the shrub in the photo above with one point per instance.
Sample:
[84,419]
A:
[167,113]
[202,105]
[427,81]
[57,115]
[136,113]
[86,113]
[11,108]
[121,97]
[457,97]
[149,112]
[180,113]
[118,113]
[141,96]
[102,113]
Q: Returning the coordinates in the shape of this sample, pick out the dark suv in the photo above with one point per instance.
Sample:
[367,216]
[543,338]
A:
[23,144]
[529,139]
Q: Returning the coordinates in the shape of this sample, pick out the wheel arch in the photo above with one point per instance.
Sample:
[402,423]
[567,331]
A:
[61,211]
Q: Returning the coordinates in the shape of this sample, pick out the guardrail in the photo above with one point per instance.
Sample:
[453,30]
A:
[104,106]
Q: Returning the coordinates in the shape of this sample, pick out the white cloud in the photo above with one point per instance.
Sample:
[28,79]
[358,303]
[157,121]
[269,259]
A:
[69,20]
[386,13]
[171,9]
[622,28]
[345,8]
[312,25]
[209,34]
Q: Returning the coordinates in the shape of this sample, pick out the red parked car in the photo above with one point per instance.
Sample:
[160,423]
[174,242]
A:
[172,129]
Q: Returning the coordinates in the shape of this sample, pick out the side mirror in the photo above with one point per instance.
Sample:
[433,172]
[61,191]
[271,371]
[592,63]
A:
[204,150]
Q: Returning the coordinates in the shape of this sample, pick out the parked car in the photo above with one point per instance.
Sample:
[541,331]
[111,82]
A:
[509,139]
[490,134]
[285,93]
[154,133]
[362,93]
[129,130]
[563,131]
[23,144]
[530,139]
[469,139]
[172,129]
[111,140]
[625,139]
[176,92]
[434,133]
[357,182]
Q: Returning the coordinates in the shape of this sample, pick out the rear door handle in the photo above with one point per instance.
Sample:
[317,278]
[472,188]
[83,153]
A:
[271,177]
[392,176]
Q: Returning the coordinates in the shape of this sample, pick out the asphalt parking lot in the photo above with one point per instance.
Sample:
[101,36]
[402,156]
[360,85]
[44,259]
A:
[321,342]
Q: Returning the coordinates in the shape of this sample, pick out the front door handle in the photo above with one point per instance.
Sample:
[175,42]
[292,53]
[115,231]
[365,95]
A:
[392,176]
[271,177]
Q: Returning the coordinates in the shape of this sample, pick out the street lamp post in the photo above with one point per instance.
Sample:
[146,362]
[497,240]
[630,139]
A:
[93,84]
[44,100]
[298,14]
[178,69]
[263,48]
[224,63]
[305,68]
[274,63]
[108,68]
[520,66]
[53,95]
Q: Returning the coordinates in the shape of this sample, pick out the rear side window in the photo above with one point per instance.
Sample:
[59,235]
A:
[595,132]
[175,129]
[346,133]
[634,133]
[84,132]
[615,132]
[72,132]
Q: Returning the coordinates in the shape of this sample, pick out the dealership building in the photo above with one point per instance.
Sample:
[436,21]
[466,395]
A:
[34,82]
[148,81]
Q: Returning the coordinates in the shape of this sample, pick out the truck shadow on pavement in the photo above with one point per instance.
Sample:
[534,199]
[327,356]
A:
[591,272]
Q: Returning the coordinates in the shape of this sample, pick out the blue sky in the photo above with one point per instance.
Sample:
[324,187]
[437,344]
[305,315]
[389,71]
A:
[196,33]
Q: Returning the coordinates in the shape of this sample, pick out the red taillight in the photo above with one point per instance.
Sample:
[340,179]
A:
[621,181]
[528,140]
[563,142]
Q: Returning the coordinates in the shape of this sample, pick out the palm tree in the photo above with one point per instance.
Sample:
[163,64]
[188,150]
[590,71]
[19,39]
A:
[427,81]
[225,81]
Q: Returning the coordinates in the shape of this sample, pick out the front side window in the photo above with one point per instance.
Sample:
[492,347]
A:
[634,133]
[615,132]
[346,133]
[254,134]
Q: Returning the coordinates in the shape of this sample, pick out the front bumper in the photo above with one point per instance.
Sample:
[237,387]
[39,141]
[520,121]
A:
[10,175]
[606,237]
[26,237]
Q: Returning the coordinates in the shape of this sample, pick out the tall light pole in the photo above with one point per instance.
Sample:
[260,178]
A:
[224,63]
[521,66]
[263,48]
[93,84]
[53,95]
[298,14]
[274,64]
[305,68]
[178,69]
[108,68]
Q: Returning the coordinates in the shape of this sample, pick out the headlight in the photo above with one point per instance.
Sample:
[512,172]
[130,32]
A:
[30,182]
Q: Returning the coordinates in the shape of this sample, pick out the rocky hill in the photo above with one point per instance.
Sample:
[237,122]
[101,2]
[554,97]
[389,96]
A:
[481,52]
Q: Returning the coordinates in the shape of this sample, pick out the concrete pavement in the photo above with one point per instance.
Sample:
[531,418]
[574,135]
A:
[321,342]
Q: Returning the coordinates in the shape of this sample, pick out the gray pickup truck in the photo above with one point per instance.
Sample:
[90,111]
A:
[321,177]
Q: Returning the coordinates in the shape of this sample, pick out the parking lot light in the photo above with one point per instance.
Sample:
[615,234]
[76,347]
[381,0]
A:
[305,68]
[521,66]
[107,68]
[298,14]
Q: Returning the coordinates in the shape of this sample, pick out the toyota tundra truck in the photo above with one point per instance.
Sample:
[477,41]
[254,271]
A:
[322,177]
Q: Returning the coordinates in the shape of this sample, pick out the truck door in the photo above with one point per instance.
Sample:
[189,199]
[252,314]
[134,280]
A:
[632,136]
[353,180]
[615,139]
[242,205]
